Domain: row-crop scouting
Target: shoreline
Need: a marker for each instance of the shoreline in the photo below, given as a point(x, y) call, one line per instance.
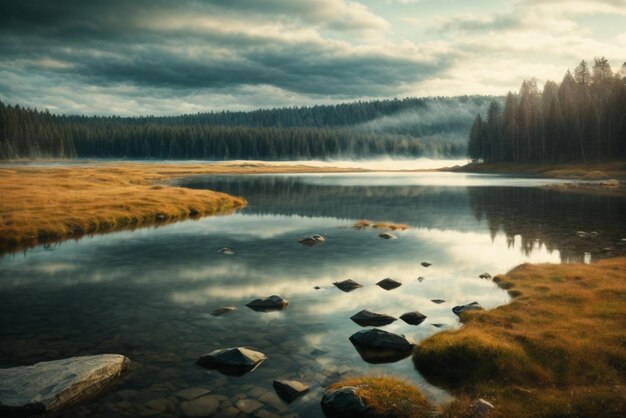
point(556, 349)
point(557, 343)
point(44, 204)
point(48, 204)
point(573, 171)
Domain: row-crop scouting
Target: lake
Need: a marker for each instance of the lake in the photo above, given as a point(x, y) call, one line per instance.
point(148, 293)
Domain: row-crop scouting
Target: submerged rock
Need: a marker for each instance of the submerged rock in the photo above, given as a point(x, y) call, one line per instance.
point(51, 385)
point(413, 318)
point(474, 306)
point(485, 275)
point(343, 403)
point(290, 390)
point(270, 303)
point(426, 264)
point(312, 240)
point(387, 235)
point(201, 407)
point(224, 310)
point(366, 318)
point(421, 279)
point(348, 285)
point(437, 301)
point(235, 361)
point(389, 284)
point(378, 346)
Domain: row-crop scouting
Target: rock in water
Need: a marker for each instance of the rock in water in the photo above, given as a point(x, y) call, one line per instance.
point(235, 361)
point(366, 318)
point(426, 264)
point(312, 240)
point(348, 285)
point(485, 275)
point(270, 303)
point(226, 251)
point(222, 311)
point(387, 235)
point(290, 390)
point(389, 284)
point(51, 385)
point(378, 346)
point(344, 403)
point(474, 306)
point(413, 318)
point(437, 301)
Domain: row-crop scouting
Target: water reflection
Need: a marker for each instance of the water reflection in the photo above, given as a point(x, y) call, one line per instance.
point(149, 294)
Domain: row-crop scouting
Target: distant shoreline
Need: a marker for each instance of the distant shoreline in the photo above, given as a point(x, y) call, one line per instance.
point(590, 171)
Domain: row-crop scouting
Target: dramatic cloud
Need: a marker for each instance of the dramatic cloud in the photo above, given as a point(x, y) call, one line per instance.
point(172, 56)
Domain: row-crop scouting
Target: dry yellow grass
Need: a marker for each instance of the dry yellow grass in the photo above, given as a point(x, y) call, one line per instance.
point(364, 223)
point(558, 349)
point(47, 204)
point(389, 396)
point(593, 171)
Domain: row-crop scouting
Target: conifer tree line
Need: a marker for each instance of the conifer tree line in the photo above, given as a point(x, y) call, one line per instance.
point(581, 119)
point(289, 133)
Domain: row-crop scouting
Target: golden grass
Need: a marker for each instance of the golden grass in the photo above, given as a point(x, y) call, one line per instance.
point(47, 204)
point(558, 349)
point(592, 171)
point(390, 226)
point(389, 396)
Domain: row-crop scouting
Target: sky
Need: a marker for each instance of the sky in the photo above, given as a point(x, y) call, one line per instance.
point(159, 57)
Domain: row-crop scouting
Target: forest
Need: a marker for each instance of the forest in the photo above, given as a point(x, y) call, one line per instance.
point(581, 119)
point(409, 127)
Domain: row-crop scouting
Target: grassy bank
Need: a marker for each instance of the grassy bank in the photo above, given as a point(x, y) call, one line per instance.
point(558, 349)
point(582, 171)
point(48, 204)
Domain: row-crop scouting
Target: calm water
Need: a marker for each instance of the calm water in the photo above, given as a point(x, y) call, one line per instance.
point(148, 293)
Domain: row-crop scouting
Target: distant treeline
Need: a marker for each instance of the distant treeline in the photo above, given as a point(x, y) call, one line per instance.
point(583, 118)
point(409, 127)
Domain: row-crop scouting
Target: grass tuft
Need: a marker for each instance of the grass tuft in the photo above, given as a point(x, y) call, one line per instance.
point(389, 396)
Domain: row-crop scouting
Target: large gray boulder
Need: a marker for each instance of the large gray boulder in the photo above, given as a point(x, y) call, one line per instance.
point(378, 346)
point(290, 390)
point(270, 303)
point(474, 306)
point(235, 361)
point(366, 318)
point(51, 385)
point(344, 403)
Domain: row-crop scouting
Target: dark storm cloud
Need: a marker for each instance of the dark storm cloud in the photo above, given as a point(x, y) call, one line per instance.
point(195, 45)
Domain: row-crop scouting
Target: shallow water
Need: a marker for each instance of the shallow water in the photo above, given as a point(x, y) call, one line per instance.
point(148, 293)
